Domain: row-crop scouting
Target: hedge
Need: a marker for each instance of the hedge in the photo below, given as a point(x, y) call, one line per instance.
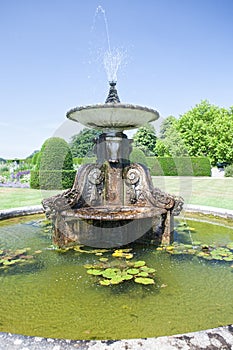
point(80, 161)
point(229, 171)
point(179, 166)
point(52, 179)
point(138, 156)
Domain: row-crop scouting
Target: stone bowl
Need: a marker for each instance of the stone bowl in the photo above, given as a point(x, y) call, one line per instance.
point(113, 116)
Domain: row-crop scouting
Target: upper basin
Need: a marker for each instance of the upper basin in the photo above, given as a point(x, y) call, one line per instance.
point(113, 116)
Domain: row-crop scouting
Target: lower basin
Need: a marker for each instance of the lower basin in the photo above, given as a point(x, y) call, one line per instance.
point(53, 296)
point(115, 213)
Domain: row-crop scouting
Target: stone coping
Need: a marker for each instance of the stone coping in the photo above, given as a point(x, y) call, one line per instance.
point(220, 338)
point(212, 339)
point(221, 212)
point(21, 211)
point(38, 209)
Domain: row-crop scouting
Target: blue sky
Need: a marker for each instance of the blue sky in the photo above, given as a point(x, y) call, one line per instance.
point(178, 52)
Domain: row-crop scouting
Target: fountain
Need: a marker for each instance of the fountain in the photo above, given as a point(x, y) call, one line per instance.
point(112, 202)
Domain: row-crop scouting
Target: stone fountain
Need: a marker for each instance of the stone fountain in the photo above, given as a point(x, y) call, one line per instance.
point(112, 202)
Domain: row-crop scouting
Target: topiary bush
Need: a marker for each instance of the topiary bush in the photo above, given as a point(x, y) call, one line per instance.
point(54, 167)
point(138, 156)
point(229, 171)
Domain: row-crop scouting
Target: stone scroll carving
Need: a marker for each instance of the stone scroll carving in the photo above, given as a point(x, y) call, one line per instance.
point(86, 191)
point(140, 190)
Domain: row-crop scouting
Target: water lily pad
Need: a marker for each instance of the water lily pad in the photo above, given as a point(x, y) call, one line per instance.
point(103, 259)
point(89, 266)
point(196, 243)
point(94, 272)
point(143, 274)
point(188, 246)
point(126, 277)
point(116, 280)
point(105, 282)
point(230, 245)
point(145, 280)
point(128, 255)
point(20, 251)
point(147, 269)
point(7, 262)
point(110, 272)
point(228, 258)
point(139, 263)
point(123, 253)
point(169, 248)
point(133, 271)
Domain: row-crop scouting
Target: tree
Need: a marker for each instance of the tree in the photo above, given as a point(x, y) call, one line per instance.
point(170, 143)
point(206, 130)
point(81, 144)
point(145, 139)
point(166, 124)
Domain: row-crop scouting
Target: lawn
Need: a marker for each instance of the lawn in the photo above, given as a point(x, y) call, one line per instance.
point(216, 192)
point(21, 197)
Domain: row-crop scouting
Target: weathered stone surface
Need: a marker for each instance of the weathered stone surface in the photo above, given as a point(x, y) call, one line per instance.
point(13, 212)
point(213, 339)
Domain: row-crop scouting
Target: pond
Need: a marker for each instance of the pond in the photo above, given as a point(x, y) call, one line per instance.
point(48, 293)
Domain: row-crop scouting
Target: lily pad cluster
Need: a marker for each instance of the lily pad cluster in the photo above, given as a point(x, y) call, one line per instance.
point(204, 251)
point(112, 272)
point(10, 258)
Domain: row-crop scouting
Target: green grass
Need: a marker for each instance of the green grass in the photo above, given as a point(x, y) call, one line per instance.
point(21, 197)
point(216, 192)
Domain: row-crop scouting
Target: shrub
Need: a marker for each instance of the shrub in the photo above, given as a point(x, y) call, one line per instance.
point(54, 166)
point(229, 171)
point(34, 179)
point(80, 161)
point(138, 156)
point(179, 166)
point(35, 158)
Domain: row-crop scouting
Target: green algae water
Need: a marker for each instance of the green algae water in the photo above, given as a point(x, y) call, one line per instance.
point(53, 296)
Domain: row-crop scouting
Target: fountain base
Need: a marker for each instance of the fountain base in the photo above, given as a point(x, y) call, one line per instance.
point(110, 227)
point(86, 214)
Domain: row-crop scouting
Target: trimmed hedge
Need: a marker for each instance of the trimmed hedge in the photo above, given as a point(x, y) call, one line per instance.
point(138, 156)
point(229, 171)
point(80, 161)
point(52, 179)
point(54, 166)
point(179, 166)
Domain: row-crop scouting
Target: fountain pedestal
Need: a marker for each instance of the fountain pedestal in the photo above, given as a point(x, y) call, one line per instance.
point(112, 202)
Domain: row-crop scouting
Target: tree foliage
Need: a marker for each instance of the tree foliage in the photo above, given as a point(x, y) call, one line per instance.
point(81, 145)
point(145, 139)
point(170, 143)
point(206, 130)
